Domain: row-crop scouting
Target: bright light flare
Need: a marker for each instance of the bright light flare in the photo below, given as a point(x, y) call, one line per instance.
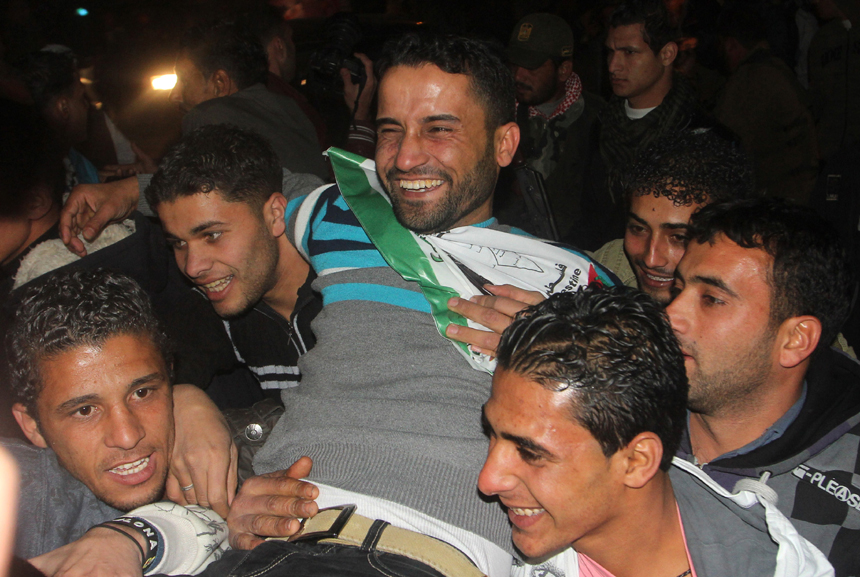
point(164, 82)
point(82, 11)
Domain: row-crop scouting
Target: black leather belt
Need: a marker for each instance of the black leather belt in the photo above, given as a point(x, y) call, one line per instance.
point(343, 526)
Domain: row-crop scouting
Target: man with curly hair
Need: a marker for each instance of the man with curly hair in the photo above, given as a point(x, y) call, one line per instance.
point(673, 178)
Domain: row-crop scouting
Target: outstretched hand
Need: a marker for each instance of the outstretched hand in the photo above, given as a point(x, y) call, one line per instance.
point(271, 505)
point(91, 207)
point(495, 312)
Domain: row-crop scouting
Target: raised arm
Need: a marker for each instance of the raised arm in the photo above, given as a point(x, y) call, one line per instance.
point(203, 467)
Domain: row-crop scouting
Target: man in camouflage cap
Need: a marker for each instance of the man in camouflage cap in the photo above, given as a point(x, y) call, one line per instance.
point(557, 119)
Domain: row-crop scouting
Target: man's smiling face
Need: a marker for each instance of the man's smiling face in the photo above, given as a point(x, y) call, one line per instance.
point(547, 470)
point(225, 248)
point(107, 412)
point(435, 156)
point(655, 240)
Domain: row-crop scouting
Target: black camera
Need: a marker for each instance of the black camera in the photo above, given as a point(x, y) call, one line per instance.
point(342, 32)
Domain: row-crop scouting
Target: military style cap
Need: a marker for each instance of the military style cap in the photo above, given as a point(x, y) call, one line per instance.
point(539, 37)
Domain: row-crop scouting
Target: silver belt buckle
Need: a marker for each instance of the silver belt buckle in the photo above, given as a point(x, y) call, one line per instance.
point(334, 529)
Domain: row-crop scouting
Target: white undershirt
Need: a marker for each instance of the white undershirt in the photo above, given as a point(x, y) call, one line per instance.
point(636, 113)
point(489, 557)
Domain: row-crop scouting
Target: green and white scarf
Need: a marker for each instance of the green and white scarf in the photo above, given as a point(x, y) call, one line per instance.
point(456, 263)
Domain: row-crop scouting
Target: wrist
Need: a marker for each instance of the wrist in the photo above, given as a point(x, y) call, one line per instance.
point(362, 112)
point(133, 541)
point(141, 532)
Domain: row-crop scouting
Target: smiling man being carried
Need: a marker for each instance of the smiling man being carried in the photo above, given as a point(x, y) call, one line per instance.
point(388, 408)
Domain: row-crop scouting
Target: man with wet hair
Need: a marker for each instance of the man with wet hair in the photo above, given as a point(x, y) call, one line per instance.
point(587, 410)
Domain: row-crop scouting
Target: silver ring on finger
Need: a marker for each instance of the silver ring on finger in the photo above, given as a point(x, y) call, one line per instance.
point(187, 488)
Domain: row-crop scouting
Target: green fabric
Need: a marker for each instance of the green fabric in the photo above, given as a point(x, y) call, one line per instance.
point(397, 244)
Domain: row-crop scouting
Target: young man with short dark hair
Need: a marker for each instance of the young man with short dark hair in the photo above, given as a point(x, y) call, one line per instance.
point(217, 194)
point(762, 289)
point(91, 376)
point(586, 412)
point(650, 102)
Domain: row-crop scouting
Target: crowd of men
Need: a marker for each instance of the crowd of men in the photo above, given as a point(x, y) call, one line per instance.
point(250, 359)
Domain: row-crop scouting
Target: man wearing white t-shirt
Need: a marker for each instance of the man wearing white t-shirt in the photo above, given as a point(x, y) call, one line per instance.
point(649, 101)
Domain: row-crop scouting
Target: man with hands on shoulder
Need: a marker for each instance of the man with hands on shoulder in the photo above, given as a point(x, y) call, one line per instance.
point(92, 378)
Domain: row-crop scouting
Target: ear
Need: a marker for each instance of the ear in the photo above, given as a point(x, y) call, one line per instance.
point(273, 214)
point(642, 458)
point(39, 204)
point(668, 53)
point(564, 71)
point(222, 85)
point(276, 50)
point(61, 110)
point(797, 338)
point(28, 425)
point(507, 138)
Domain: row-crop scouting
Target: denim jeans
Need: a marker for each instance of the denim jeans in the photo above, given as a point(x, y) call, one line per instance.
point(284, 559)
